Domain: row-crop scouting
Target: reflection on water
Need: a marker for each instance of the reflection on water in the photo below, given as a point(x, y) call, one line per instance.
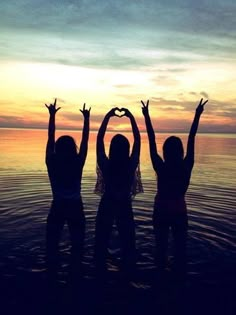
point(26, 196)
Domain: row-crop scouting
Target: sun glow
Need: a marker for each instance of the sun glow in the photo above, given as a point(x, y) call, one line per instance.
point(37, 83)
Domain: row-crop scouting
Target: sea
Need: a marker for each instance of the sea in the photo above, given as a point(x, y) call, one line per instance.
point(25, 198)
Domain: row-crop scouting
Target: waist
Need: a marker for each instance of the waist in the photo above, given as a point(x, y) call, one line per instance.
point(117, 193)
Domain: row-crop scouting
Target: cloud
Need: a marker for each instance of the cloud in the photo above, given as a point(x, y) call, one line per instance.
point(19, 122)
point(175, 119)
point(4, 119)
point(204, 94)
point(162, 103)
point(164, 40)
point(113, 34)
point(123, 86)
point(222, 109)
point(214, 108)
point(57, 15)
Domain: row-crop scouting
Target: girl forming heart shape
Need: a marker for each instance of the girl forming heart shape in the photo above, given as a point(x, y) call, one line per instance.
point(120, 112)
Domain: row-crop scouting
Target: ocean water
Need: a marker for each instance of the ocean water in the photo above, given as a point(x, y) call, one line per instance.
point(25, 198)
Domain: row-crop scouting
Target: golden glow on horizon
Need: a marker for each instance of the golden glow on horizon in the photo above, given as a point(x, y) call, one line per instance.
point(24, 149)
point(25, 87)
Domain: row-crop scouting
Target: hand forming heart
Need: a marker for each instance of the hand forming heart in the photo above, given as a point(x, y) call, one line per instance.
point(119, 112)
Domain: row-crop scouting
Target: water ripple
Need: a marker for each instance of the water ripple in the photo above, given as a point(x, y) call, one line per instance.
point(26, 198)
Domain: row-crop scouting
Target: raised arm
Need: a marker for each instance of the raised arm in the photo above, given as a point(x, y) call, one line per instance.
point(155, 157)
point(85, 135)
point(51, 128)
point(137, 142)
point(101, 154)
point(193, 130)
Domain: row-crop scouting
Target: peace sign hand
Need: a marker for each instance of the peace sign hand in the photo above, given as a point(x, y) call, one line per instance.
point(85, 112)
point(145, 108)
point(52, 108)
point(200, 107)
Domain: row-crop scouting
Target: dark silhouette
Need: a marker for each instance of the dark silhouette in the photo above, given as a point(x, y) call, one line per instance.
point(173, 174)
point(65, 167)
point(120, 181)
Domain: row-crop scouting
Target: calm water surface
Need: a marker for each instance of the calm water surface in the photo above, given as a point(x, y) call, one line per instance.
point(25, 199)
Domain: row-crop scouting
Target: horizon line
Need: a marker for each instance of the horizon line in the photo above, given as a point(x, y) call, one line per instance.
point(128, 131)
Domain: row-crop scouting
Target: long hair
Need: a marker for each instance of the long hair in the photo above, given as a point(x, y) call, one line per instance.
point(65, 146)
point(173, 150)
point(119, 164)
point(119, 149)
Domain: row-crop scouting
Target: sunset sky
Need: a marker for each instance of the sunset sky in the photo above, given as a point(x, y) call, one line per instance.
point(116, 53)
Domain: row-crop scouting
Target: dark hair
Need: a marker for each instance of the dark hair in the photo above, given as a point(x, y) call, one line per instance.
point(173, 149)
point(119, 148)
point(66, 146)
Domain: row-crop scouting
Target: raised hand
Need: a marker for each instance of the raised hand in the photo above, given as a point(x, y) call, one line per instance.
point(125, 112)
point(200, 107)
point(112, 112)
point(85, 112)
point(145, 108)
point(52, 108)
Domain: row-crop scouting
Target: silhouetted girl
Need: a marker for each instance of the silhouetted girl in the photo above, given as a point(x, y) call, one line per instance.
point(119, 182)
point(173, 174)
point(65, 166)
